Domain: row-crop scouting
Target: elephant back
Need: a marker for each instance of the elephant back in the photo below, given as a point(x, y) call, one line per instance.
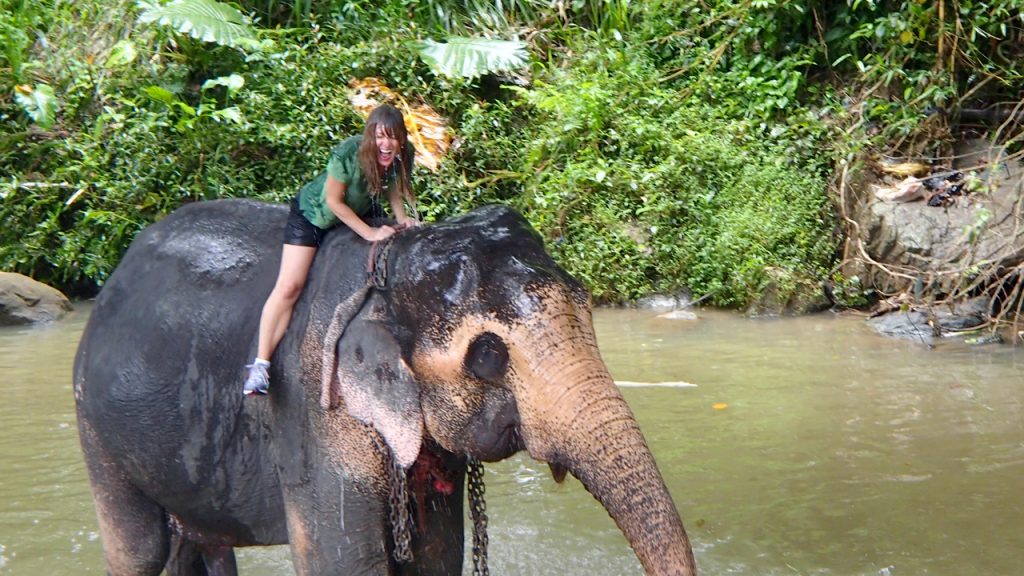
point(158, 371)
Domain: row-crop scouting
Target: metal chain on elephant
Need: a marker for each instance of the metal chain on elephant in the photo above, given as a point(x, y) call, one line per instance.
point(478, 513)
point(398, 502)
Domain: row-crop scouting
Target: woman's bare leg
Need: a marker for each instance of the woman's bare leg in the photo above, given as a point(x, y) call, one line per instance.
point(277, 311)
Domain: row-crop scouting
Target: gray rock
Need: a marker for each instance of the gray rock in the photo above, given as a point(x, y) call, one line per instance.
point(934, 245)
point(25, 301)
point(925, 326)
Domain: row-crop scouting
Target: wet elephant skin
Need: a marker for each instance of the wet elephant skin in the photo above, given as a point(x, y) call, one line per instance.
point(474, 342)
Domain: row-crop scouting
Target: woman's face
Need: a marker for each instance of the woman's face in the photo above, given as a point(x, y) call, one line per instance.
point(387, 147)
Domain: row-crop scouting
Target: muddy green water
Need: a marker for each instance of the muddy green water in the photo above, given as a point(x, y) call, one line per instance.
point(808, 446)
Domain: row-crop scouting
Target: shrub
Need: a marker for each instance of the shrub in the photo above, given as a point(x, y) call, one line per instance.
point(640, 190)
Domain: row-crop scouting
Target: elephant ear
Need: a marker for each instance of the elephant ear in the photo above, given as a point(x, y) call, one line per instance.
point(343, 314)
point(363, 365)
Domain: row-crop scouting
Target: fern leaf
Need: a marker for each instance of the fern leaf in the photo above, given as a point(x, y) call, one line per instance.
point(472, 57)
point(206, 20)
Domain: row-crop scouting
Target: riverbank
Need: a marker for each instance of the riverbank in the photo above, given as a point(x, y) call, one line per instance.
point(654, 145)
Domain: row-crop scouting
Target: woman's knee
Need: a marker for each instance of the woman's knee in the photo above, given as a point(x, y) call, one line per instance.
point(295, 263)
point(288, 290)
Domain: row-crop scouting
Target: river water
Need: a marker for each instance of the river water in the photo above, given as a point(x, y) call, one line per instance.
point(806, 446)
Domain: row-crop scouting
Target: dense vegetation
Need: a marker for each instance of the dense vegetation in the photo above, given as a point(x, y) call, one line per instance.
point(656, 145)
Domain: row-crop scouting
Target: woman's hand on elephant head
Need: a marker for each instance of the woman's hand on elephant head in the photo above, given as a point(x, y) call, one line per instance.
point(382, 233)
point(407, 223)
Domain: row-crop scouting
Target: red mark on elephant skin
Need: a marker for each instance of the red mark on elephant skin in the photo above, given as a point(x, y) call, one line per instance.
point(428, 470)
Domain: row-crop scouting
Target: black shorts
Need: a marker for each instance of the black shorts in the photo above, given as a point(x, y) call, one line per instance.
point(299, 231)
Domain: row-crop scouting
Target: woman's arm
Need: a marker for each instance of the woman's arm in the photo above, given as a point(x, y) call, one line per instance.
point(334, 194)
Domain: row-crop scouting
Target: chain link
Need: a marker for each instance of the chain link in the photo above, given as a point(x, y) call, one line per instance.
point(478, 513)
point(398, 502)
point(401, 524)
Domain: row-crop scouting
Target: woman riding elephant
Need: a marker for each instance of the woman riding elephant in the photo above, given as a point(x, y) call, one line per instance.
point(468, 343)
point(359, 171)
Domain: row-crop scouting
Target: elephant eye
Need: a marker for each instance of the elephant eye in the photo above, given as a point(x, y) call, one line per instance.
point(487, 357)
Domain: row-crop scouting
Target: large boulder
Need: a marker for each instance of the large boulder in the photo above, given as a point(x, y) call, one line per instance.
point(931, 250)
point(925, 325)
point(25, 301)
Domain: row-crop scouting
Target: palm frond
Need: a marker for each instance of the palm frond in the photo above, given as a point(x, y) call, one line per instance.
point(462, 57)
point(206, 20)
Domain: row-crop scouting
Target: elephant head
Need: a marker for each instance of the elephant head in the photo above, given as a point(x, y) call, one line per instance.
point(480, 342)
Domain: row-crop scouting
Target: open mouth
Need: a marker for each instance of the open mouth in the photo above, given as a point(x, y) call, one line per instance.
point(384, 157)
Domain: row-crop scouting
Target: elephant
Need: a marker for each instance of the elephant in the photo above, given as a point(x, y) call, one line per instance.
point(406, 364)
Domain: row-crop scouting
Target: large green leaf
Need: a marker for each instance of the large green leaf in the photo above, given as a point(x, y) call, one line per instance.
point(472, 57)
point(122, 54)
point(233, 83)
point(206, 20)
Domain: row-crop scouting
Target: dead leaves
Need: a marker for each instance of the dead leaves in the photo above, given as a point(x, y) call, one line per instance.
point(428, 130)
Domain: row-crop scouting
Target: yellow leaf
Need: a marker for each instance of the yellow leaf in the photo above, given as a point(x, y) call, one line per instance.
point(428, 130)
point(24, 89)
point(904, 169)
point(719, 405)
point(907, 37)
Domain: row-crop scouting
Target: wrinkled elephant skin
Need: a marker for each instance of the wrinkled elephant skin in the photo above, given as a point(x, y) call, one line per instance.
point(472, 342)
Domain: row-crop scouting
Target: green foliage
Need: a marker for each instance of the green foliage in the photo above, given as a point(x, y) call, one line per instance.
point(605, 16)
point(608, 16)
point(850, 292)
point(286, 12)
point(190, 119)
point(452, 15)
point(18, 20)
point(166, 132)
point(122, 54)
point(656, 145)
point(98, 188)
point(640, 191)
point(880, 69)
point(481, 169)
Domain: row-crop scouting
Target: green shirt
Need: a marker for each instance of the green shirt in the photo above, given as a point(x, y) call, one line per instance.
point(344, 167)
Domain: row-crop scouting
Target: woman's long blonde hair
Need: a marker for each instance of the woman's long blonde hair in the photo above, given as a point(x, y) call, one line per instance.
point(390, 118)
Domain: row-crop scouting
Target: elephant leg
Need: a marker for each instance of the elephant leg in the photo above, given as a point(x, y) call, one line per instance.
point(136, 537)
point(185, 559)
point(351, 541)
point(190, 559)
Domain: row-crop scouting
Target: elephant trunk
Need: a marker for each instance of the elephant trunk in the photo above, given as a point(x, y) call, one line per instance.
point(582, 423)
